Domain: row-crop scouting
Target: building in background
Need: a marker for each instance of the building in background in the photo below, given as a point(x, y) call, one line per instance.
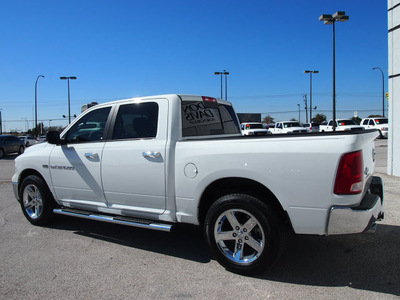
point(86, 106)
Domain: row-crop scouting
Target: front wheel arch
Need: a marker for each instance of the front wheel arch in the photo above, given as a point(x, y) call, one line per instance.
point(37, 202)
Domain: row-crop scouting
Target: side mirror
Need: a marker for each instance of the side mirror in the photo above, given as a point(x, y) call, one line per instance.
point(53, 137)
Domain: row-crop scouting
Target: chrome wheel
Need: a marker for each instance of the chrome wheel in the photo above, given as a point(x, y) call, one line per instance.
point(239, 236)
point(244, 234)
point(32, 201)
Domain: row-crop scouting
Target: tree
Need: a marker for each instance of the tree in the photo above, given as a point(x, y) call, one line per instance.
point(319, 118)
point(357, 120)
point(374, 116)
point(268, 119)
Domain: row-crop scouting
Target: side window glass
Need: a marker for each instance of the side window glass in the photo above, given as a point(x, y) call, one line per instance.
point(365, 122)
point(138, 120)
point(90, 127)
point(371, 122)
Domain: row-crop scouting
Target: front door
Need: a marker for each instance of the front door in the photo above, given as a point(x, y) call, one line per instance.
point(75, 167)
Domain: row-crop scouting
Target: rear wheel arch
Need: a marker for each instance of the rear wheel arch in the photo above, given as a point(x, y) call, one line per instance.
point(237, 185)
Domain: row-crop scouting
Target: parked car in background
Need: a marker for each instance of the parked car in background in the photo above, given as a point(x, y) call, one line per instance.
point(253, 128)
point(311, 127)
point(341, 125)
point(288, 127)
point(382, 124)
point(10, 144)
point(41, 139)
point(28, 140)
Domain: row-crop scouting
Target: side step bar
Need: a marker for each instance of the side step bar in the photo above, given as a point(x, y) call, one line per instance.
point(134, 222)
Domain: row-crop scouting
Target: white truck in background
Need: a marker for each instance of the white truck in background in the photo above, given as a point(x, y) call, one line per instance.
point(380, 123)
point(154, 162)
point(253, 128)
point(288, 127)
point(341, 125)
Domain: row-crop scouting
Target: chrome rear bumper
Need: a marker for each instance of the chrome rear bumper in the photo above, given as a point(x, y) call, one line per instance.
point(346, 220)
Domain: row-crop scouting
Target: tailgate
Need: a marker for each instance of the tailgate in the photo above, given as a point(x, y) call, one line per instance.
point(369, 153)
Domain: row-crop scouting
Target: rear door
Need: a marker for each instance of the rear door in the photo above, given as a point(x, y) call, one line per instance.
point(133, 163)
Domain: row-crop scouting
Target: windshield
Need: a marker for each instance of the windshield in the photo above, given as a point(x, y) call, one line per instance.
point(381, 121)
point(255, 126)
point(292, 124)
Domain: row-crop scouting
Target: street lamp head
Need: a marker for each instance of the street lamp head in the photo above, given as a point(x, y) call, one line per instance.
point(64, 77)
point(340, 16)
point(328, 19)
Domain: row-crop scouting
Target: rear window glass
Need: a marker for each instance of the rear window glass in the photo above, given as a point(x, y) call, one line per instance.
point(199, 120)
point(381, 121)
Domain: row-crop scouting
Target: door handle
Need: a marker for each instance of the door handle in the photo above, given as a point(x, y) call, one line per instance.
point(91, 155)
point(151, 154)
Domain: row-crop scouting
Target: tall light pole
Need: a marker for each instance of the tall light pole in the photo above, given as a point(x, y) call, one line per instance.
point(37, 78)
point(339, 16)
point(383, 90)
point(226, 82)
point(219, 73)
point(299, 111)
point(311, 72)
point(305, 106)
point(69, 102)
point(1, 124)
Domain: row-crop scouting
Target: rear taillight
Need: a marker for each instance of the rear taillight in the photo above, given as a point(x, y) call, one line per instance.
point(349, 176)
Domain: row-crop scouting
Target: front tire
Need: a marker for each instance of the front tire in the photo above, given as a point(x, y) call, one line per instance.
point(21, 150)
point(37, 202)
point(244, 234)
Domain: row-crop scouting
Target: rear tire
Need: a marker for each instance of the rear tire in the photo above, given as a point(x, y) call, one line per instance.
point(37, 202)
point(1, 153)
point(244, 234)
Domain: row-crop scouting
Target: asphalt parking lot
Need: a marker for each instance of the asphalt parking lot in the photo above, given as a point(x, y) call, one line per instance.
point(81, 259)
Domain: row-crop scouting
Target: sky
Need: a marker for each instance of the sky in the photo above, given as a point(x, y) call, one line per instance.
point(126, 48)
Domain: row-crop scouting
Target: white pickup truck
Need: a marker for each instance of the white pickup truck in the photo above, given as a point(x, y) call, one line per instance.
point(382, 124)
point(288, 127)
point(341, 125)
point(253, 128)
point(153, 162)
